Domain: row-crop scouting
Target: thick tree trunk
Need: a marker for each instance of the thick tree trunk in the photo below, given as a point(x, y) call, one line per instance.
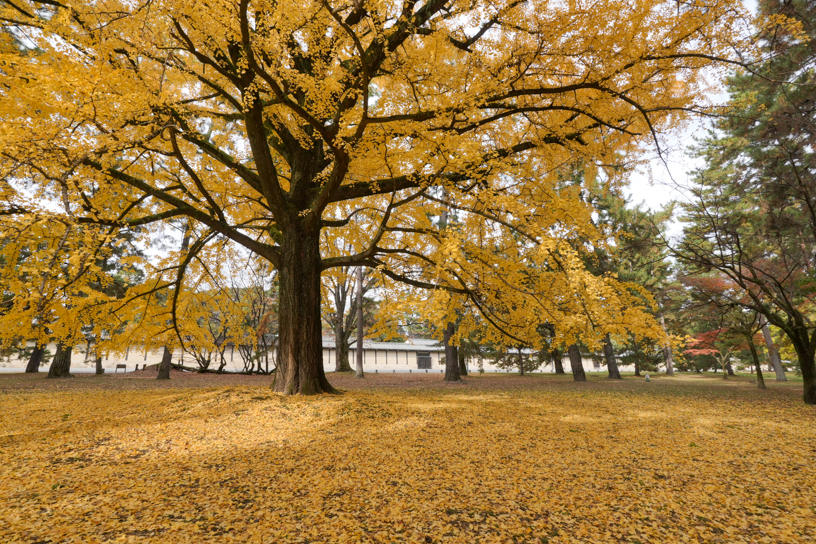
point(807, 362)
point(577, 364)
point(520, 363)
point(341, 363)
point(360, 331)
point(462, 363)
point(61, 364)
point(773, 353)
point(35, 359)
point(755, 357)
point(165, 365)
point(557, 362)
point(667, 352)
point(609, 355)
point(451, 360)
point(98, 363)
point(637, 368)
point(300, 345)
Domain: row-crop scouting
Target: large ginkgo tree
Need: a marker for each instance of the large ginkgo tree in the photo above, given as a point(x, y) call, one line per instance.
point(278, 123)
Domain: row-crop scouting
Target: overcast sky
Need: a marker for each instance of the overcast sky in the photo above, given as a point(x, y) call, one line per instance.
point(669, 177)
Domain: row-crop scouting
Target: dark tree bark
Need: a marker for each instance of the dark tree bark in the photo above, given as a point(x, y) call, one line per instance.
point(300, 346)
point(360, 324)
point(557, 362)
point(452, 372)
point(35, 359)
point(520, 363)
point(806, 351)
point(755, 357)
point(637, 368)
point(462, 363)
point(576, 363)
point(451, 357)
point(165, 364)
point(61, 364)
point(729, 369)
point(611, 362)
point(341, 363)
point(223, 360)
point(98, 362)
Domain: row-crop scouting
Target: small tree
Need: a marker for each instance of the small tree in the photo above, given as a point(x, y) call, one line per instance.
point(718, 343)
point(253, 289)
point(340, 310)
point(516, 357)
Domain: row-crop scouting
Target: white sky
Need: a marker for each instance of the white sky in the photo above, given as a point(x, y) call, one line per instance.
point(668, 178)
point(664, 179)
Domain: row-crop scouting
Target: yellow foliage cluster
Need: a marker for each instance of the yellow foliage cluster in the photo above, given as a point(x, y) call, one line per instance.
point(572, 464)
point(59, 284)
point(222, 287)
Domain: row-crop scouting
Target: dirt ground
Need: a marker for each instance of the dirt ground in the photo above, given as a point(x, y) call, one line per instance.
point(683, 383)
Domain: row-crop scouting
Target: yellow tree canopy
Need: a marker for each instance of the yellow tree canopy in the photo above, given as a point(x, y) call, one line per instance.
point(56, 283)
point(271, 122)
point(509, 280)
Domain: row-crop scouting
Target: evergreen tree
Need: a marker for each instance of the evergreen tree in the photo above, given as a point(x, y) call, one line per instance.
point(753, 216)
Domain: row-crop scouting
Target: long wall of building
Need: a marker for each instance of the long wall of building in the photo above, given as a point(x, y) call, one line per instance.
point(380, 358)
point(376, 358)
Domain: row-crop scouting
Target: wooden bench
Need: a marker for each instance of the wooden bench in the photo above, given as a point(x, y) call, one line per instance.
point(123, 367)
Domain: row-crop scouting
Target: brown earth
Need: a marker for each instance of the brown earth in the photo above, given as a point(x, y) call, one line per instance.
point(703, 384)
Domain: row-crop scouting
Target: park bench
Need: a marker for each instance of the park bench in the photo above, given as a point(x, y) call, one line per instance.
point(123, 367)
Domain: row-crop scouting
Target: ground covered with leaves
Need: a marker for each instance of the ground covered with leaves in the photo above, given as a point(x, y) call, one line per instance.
point(498, 459)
